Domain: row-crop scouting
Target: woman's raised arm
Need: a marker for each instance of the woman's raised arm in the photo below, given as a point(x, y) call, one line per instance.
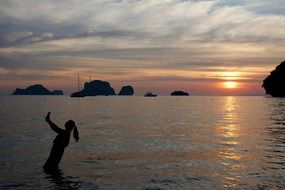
point(53, 126)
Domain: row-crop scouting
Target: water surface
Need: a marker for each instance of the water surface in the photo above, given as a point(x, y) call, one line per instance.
point(145, 143)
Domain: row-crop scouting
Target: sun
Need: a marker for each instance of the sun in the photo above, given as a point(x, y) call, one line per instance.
point(230, 84)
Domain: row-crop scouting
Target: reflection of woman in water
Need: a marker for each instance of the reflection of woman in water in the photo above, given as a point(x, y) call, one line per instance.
point(60, 142)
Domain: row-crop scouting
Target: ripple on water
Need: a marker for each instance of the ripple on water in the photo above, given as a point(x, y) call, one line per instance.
point(137, 143)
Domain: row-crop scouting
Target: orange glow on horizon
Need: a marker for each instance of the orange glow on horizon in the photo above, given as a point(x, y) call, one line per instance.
point(230, 85)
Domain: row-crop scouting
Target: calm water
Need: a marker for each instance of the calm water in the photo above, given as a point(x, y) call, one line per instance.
point(146, 143)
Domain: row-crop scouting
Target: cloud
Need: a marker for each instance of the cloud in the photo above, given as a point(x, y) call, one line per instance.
point(15, 36)
point(165, 23)
point(20, 38)
point(147, 38)
point(162, 22)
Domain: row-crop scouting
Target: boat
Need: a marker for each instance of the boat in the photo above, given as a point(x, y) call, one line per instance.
point(78, 94)
point(150, 94)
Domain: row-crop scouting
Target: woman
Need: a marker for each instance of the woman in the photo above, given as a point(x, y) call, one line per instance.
point(60, 142)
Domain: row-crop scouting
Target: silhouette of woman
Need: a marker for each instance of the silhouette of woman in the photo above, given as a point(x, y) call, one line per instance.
point(59, 143)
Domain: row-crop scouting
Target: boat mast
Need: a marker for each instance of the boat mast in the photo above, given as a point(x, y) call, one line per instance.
point(78, 82)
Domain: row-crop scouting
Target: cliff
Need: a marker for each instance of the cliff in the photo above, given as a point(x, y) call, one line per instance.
point(274, 84)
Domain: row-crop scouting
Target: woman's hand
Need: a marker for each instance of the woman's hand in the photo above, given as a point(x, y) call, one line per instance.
point(48, 117)
point(53, 126)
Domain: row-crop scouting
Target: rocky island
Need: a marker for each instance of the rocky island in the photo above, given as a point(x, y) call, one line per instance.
point(179, 93)
point(95, 88)
point(274, 84)
point(36, 89)
point(126, 91)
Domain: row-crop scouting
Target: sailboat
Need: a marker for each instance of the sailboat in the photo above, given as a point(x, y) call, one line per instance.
point(78, 94)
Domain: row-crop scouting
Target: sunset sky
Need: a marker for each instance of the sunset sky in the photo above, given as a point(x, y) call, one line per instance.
point(218, 47)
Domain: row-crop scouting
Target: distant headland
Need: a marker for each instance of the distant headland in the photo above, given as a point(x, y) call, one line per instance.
point(36, 89)
point(274, 84)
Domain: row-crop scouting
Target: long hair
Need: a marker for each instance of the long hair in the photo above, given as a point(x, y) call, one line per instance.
point(70, 125)
point(75, 133)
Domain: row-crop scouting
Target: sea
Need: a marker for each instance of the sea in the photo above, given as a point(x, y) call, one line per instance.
point(145, 143)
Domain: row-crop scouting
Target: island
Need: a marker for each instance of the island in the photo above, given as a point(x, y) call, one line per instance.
point(179, 93)
point(274, 82)
point(95, 88)
point(126, 91)
point(36, 89)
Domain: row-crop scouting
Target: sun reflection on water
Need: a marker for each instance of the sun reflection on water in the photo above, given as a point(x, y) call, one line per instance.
point(229, 131)
point(229, 127)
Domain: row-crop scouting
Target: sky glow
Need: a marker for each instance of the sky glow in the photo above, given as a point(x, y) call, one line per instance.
point(161, 46)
